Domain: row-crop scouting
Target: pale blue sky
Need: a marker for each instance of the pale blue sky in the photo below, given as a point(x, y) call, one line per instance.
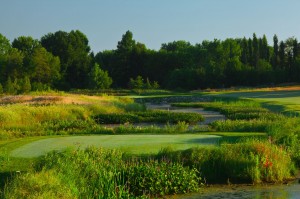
point(152, 22)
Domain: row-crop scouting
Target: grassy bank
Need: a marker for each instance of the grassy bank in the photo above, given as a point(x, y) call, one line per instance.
point(253, 145)
point(99, 173)
point(252, 116)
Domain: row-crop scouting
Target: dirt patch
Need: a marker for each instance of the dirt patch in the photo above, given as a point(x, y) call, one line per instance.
point(46, 100)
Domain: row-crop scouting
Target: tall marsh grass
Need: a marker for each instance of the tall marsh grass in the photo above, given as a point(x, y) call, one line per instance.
point(242, 115)
point(99, 173)
point(21, 120)
point(251, 161)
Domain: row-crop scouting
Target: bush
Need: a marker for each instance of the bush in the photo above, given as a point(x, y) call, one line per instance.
point(155, 178)
point(98, 78)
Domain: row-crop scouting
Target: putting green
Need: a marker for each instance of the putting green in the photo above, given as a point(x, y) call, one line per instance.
point(136, 144)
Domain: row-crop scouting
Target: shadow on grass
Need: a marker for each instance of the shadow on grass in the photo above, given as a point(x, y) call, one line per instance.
point(4, 178)
point(204, 141)
point(230, 139)
point(280, 109)
point(260, 94)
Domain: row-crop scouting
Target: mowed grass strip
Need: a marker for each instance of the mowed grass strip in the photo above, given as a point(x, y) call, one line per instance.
point(289, 100)
point(136, 144)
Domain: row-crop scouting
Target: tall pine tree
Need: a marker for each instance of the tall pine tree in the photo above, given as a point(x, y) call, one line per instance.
point(255, 50)
point(275, 52)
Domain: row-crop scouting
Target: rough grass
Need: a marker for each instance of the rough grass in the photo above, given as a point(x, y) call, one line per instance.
point(99, 173)
point(154, 116)
point(242, 115)
point(21, 118)
point(251, 161)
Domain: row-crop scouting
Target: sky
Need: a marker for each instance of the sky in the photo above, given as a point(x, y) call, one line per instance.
point(152, 22)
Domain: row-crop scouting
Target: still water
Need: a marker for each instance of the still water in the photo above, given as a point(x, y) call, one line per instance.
point(285, 191)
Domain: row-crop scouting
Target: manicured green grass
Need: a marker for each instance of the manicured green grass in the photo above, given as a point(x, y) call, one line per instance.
point(286, 101)
point(136, 144)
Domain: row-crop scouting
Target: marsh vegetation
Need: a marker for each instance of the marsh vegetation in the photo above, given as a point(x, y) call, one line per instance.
point(252, 145)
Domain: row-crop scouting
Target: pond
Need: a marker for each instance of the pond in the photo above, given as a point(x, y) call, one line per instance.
point(281, 191)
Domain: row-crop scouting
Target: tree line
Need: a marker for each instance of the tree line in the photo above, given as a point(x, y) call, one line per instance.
point(64, 61)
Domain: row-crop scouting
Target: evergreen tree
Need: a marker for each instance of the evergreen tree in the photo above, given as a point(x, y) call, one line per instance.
point(250, 51)
point(265, 49)
point(9, 87)
point(1, 89)
point(139, 82)
point(148, 84)
point(245, 50)
point(295, 49)
point(26, 85)
point(16, 85)
point(255, 50)
point(123, 68)
point(281, 54)
point(275, 53)
point(98, 78)
point(260, 48)
point(155, 85)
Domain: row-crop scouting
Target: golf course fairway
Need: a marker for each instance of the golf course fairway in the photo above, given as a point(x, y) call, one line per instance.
point(136, 144)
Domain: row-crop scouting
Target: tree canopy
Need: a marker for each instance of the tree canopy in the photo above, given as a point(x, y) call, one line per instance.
point(64, 60)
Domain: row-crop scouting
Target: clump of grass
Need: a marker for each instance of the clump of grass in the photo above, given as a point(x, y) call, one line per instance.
point(286, 133)
point(255, 125)
point(44, 184)
point(251, 161)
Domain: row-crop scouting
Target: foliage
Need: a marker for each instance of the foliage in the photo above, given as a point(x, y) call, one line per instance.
point(138, 83)
point(99, 79)
point(9, 87)
point(242, 115)
point(106, 172)
point(148, 116)
point(25, 85)
point(161, 178)
point(251, 160)
point(73, 51)
point(49, 118)
point(46, 67)
point(63, 60)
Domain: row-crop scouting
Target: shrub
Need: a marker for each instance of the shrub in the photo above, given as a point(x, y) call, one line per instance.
point(155, 178)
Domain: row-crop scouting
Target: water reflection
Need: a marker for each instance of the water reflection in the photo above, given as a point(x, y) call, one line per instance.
point(291, 191)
